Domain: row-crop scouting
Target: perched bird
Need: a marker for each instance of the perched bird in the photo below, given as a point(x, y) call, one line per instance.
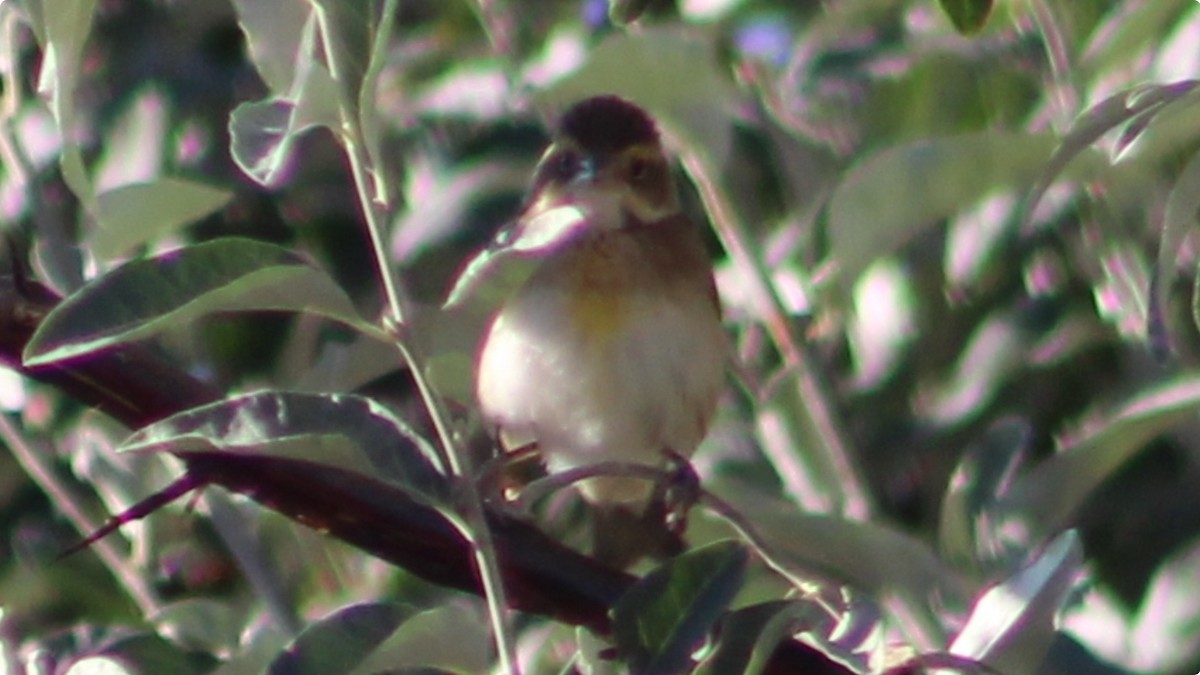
point(612, 349)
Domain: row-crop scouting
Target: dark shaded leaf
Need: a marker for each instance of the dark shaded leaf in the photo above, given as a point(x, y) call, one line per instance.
point(622, 12)
point(342, 430)
point(661, 620)
point(1045, 498)
point(968, 16)
point(747, 637)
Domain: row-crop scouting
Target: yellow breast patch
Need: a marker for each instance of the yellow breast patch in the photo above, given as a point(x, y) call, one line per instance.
point(601, 300)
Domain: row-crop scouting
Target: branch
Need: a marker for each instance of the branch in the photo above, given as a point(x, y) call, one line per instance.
point(137, 385)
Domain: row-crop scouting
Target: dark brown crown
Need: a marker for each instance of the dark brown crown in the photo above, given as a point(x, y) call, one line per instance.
point(607, 124)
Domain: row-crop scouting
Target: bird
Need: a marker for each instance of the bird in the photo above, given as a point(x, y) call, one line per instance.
point(612, 350)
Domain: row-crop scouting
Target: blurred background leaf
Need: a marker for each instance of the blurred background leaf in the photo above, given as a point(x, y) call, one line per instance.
point(975, 219)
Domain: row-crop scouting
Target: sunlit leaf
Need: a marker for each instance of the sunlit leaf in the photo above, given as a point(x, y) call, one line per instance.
point(1011, 626)
point(145, 297)
point(64, 27)
point(101, 665)
point(1164, 130)
point(371, 126)
point(347, 29)
point(262, 132)
point(438, 199)
point(490, 278)
point(993, 352)
point(135, 214)
point(1163, 636)
point(661, 620)
point(134, 144)
point(274, 33)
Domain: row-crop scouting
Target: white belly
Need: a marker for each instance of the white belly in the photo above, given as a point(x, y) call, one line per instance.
point(649, 388)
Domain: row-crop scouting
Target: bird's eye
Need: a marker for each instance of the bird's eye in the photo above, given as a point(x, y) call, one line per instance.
point(565, 165)
point(639, 169)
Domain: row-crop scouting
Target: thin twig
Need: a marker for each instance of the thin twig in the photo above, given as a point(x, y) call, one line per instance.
point(816, 405)
point(35, 464)
point(475, 522)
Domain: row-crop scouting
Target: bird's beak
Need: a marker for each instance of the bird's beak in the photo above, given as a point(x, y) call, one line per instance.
point(559, 214)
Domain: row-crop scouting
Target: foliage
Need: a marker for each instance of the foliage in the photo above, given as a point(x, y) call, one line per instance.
point(950, 238)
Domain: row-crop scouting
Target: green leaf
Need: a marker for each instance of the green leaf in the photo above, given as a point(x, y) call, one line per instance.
point(1123, 35)
point(343, 430)
point(370, 124)
point(347, 30)
point(1169, 613)
point(490, 278)
point(877, 560)
point(200, 623)
point(661, 620)
point(1179, 217)
point(262, 132)
point(340, 641)
point(983, 474)
point(968, 16)
point(65, 26)
point(451, 638)
point(994, 352)
point(891, 197)
point(132, 215)
point(144, 297)
point(1127, 106)
point(1044, 499)
point(146, 653)
point(749, 636)
point(1011, 626)
point(274, 33)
